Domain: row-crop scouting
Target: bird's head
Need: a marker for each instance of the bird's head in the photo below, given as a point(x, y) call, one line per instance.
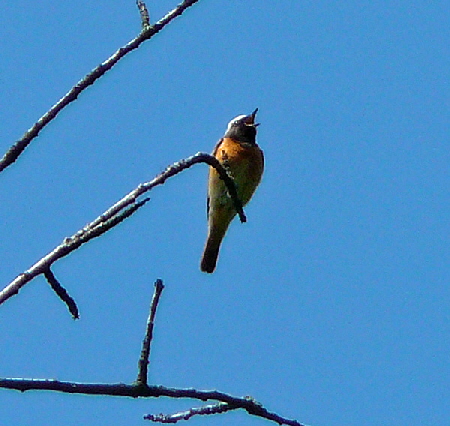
point(243, 128)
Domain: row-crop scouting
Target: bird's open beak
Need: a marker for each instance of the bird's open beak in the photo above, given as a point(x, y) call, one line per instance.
point(250, 121)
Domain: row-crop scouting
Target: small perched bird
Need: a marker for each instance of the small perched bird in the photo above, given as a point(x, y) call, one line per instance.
point(239, 153)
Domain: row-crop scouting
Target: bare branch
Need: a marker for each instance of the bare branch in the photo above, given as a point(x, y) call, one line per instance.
point(61, 292)
point(145, 353)
point(147, 33)
point(116, 214)
point(141, 391)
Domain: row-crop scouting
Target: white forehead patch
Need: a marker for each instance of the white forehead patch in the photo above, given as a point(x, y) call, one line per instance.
point(239, 117)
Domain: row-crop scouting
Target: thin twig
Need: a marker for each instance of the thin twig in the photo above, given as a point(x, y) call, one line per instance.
point(145, 353)
point(219, 408)
point(61, 292)
point(138, 390)
point(148, 32)
point(117, 213)
point(145, 17)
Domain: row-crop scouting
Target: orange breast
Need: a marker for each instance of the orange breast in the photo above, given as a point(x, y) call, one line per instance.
point(245, 162)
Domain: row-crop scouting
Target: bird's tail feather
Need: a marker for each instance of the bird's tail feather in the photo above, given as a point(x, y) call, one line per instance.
point(210, 254)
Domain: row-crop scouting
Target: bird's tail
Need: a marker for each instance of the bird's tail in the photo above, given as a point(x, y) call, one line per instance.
point(210, 254)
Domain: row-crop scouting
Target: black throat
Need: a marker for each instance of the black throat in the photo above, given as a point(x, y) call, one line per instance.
point(242, 133)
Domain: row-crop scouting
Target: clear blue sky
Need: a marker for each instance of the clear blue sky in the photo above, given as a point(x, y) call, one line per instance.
point(331, 305)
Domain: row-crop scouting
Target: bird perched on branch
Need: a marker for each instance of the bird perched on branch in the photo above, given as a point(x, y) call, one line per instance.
point(239, 153)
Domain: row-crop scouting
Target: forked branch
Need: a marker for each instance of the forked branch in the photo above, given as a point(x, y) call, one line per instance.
point(141, 389)
point(116, 214)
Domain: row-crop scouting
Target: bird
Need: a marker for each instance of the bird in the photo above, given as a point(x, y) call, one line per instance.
point(241, 156)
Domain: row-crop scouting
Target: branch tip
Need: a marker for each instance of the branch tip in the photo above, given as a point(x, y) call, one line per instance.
point(62, 293)
point(143, 363)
